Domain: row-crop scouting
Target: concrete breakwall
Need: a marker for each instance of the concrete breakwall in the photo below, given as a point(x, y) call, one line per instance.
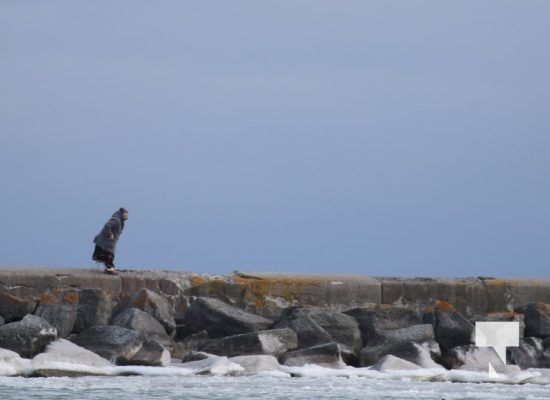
point(267, 294)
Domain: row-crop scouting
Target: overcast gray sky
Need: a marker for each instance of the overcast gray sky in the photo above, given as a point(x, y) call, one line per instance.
point(380, 138)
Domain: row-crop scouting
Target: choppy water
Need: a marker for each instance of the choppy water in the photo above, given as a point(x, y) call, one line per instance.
point(257, 387)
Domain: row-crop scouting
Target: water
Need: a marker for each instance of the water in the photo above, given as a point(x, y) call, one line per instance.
point(258, 387)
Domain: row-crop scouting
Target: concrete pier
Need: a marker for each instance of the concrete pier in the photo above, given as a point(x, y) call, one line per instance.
point(266, 294)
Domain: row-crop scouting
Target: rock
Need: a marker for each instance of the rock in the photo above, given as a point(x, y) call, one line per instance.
point(214, 366)
point(529, 354)
point(415, 344)
point(94, 308)
point(326, 355)
point(13, 308)
point(253, 365)
point(537, 320)
point(152, 354)
point(315, 327)
point(152, 303)
point(63, 358)
point(473, 358)
point(451, 329)
point(421, 354)
point(27, 337)
point(374, 322)
point(137, 320)
point(59, 308)
point(190, 344)
point(11, 364)
point(2, 321)
point(113, 343)
point(219, 319)
point(273, 342)
point(391, 363)
point(196, 356)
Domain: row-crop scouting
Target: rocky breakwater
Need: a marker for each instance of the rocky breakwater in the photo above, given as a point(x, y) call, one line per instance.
point(74, 322)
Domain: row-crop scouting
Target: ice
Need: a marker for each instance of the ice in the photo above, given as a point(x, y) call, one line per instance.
point(12, 364)
point(69, 359)
point(256, 364)
point(214, 366)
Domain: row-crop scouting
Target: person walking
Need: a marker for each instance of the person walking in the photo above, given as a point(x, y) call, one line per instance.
point(106, 240)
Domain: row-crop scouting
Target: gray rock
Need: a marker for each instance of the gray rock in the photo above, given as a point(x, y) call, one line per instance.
point(450, 327)
point(59, 308)
point(537, 320)
point(137, 320)
point(13, 308)
point(219, 319)
point(374, 322)
point(2, 321)
point(113, 343)
point(326, 355)
point(405, 343)
point(196, 356)
point(152, 354)
point(273, 342)
point(94, 308)
point(474, 358)
point(152, 303)
point(315, 327)
point(27, 337)
point(529, 354)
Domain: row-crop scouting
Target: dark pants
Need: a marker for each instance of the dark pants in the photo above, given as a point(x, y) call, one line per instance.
point(104, 256)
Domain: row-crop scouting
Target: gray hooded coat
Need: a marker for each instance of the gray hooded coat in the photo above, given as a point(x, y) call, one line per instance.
point(108, 237)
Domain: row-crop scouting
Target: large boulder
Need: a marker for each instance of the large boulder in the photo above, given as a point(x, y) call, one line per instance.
point(537, 320)
point(13, 308)
point(415, 344)
point(450, 327)
point(529, 354)
point(59, 308)
point(374, 322)
point(315, 327)
point(94, 308)
point(326, 355)
point(114, 343)
point(422, 354)
point(27, 337)
point(63, 358)
point(151, 353)
point(137, 320)
point(152, 303)
point(273, 342)
point(219, 319)
point(473, 358)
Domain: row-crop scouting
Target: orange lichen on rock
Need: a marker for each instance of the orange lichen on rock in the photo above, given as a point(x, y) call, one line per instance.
point(71, 297)
point(444, 306)
point(197, 280)
point(257, 289)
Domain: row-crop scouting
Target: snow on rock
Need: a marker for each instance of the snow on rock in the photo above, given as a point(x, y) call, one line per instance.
point(11, 363)
point(254, 365)
point(214, 366)
point(64, 358)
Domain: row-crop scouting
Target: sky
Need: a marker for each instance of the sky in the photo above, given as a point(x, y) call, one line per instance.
point(381, 138)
